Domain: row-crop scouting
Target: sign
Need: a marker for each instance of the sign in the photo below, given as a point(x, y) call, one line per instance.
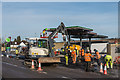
point(7, 39)
point(46, 29)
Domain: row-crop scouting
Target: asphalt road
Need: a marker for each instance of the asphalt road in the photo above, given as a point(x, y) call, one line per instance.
point(13, 68)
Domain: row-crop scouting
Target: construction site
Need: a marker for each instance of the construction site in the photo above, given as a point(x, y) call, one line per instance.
point(51, 39)
point(81, 54)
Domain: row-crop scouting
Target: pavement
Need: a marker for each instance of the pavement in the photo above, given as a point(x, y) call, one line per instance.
point(14, 68)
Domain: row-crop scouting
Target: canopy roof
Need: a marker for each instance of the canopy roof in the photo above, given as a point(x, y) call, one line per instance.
point(89, 36)
point(74, 30)
point(79, 31)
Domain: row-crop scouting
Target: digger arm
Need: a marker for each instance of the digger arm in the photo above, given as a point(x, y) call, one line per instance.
point(61, 28)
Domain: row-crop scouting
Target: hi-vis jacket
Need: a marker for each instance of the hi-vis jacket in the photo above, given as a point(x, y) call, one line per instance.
point(87, 57)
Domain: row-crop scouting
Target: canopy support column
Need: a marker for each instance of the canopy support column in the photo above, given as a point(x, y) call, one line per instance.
point(81, 41)
point(90, 44)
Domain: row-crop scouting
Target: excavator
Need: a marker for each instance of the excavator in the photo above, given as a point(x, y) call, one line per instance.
point(41, 49)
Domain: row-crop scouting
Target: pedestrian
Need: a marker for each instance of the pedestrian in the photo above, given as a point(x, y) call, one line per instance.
point(108, 61)
point(87, 57)
point(97, 57)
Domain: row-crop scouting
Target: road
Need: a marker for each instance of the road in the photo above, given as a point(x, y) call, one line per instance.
point(13, 68)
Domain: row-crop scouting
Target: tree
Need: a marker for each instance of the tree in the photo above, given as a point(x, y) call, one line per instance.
point(18, 39)
point(15, 40)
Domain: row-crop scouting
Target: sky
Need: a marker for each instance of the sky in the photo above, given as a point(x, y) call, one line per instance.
point(0, 19)
point(28, 19)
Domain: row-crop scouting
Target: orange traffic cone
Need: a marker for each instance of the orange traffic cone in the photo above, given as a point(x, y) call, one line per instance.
point(101, 68)
point(32, 67)
point(39, 68)
point(105, 70)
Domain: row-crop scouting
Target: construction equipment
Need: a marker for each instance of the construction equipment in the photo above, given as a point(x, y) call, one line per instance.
point(41, 49)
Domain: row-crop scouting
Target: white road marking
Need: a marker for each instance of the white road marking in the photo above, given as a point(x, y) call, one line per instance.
point(64, 77)
point(42, 72)
point(13, 65)
point(45, 72)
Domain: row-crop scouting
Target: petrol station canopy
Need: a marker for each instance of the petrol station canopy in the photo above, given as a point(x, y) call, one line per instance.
point(79, 31)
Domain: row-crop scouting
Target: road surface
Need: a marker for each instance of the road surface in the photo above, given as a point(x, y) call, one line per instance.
point(13, 68)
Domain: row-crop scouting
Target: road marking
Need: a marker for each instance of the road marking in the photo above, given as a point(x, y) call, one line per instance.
point(42, 72)
point(64, 77)
point(13, 65)
point(45, 72)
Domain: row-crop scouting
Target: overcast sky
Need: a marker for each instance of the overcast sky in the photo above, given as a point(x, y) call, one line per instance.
point(27, 18)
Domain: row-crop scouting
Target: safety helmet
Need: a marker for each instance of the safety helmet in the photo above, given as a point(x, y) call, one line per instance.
point(95, 50)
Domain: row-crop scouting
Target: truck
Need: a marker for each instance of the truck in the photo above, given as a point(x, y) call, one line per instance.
point(42, 49)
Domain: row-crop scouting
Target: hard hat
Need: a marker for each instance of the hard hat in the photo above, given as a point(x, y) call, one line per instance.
point(94, 49)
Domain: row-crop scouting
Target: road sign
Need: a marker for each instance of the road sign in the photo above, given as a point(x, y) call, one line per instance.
point(7, 39)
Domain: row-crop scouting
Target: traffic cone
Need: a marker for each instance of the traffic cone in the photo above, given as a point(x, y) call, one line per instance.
point(39, 68)
point(32, 67)
point(105, 70)
point(101, 68)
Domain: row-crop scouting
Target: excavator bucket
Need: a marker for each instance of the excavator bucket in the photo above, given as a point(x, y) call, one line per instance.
point(49, 59)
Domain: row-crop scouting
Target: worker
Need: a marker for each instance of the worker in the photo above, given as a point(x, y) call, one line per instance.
point(16, 52)
point(76, 52)
point(87, 57)
point(73, 54)
point(108, 59)
point(66, 57)
point(82, 55)
point(44, 32)
point(97, 55)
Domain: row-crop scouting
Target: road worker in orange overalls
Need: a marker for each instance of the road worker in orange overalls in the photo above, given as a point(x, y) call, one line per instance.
point(97, 55)
point(87, 57)
point(77, 48)
point(82, 55)
point(73, 54)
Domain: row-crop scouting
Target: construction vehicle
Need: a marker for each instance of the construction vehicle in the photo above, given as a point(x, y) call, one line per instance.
point(41, 49)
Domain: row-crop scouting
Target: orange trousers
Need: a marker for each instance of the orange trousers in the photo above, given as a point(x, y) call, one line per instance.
point(74, 58)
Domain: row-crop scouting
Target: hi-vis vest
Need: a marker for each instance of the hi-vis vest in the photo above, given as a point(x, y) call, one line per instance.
point(98, 55)
point(77, 52)
point(63, 50)
point(87, 57)
point(108, 57)
point(82, 52)
point(73, 53)
point(16, 51)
